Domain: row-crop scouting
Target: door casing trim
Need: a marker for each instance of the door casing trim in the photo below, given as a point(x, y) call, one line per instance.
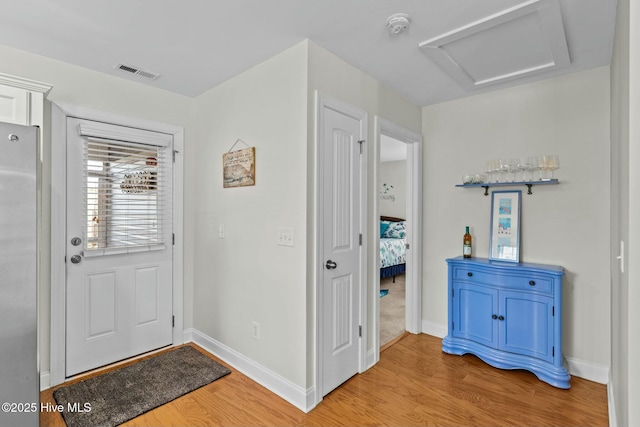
point(323, 101)
point(59, 114)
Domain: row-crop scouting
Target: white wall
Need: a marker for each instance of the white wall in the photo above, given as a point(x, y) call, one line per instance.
point(80, 86)
point(566, 225)
point(246, 276)
point(394, 202)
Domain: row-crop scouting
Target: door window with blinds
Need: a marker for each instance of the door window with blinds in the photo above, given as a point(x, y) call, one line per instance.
point(127, 198)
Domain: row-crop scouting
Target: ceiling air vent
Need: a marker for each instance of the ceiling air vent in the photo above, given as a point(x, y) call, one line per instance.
point(137, 71)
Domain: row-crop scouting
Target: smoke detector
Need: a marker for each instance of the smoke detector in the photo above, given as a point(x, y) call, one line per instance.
point(398, 23)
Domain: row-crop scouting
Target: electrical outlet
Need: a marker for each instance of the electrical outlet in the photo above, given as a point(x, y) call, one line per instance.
point(255, 330)
point(285, 236)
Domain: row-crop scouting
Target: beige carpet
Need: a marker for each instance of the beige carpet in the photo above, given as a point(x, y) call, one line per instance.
point(392, 309)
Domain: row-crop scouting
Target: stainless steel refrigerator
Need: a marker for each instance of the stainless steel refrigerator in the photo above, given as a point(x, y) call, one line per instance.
point(19, 371)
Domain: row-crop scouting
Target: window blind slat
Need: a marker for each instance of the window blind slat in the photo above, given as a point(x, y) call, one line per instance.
point(127, 197)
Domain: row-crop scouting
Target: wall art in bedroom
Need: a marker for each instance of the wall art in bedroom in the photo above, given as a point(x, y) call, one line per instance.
point(385, 193)
point(239, 168)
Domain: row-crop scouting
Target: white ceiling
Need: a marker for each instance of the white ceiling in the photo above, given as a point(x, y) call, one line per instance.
point(197, 44)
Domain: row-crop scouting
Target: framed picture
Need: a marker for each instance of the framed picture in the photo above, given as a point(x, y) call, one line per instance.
point(505, 226)
point(239, 168)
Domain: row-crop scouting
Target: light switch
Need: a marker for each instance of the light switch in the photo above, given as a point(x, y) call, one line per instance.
point(285, 236)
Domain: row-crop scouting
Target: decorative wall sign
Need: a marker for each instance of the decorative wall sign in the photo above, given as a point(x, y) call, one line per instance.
point(385, 193)
point(505, 226)
point(239, 167)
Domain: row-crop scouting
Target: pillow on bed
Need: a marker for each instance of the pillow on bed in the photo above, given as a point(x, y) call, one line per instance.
point(395, 230)
point(384, 225)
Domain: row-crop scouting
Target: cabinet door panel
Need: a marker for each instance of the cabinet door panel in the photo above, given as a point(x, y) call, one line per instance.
point(14, 105)
point(473, 307)
point(527, 327)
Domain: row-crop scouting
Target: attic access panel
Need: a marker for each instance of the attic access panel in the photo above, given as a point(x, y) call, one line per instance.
point(520, 41)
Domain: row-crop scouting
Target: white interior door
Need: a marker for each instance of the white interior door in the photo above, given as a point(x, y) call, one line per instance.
point(118, 243)
point(342, 250)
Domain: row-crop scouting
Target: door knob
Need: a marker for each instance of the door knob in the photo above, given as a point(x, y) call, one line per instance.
point(76, 259)
point(330, 265)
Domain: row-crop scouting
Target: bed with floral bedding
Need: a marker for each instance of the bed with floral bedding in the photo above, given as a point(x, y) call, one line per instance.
point(392, 246)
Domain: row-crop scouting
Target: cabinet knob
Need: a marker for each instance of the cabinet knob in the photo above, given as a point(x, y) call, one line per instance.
point(469, 274)
point(532, 282)
point(500, 317)
point(494, 316)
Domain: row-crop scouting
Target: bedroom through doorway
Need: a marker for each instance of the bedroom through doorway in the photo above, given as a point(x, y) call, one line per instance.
point(393, 239)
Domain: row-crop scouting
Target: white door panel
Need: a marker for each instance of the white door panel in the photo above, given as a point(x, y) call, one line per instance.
point(118, 295)
point(341, 284)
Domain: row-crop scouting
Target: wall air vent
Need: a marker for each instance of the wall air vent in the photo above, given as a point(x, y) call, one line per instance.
point(136, 71)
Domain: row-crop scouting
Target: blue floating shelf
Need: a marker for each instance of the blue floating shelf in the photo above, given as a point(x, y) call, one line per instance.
point(529, 184)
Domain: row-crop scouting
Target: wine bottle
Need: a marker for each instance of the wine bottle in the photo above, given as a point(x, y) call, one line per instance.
point(466, 244)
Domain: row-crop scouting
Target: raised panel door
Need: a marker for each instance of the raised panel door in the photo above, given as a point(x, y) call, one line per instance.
point(527, 327)
point(473, 309)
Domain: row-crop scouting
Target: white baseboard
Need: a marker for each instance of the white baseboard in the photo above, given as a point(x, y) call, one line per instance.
point(588, 371)
point(305, 400)
point(434, 329)
point(45, 380)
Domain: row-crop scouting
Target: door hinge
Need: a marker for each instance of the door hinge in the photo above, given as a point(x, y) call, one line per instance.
point(553, 351)
point(361, 142)
point(174, 155)
point(173, 239)
point(453, 293)
point(360, 331)
point(360, 239)
point(407, 246)
point(553, 310)
point(173, 321)
point(453, 326)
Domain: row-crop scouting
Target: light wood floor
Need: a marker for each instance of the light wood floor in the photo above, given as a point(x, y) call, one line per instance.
point(414, 384)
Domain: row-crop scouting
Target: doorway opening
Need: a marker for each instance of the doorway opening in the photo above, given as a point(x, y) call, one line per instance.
point(393, 214)
point(398, 211)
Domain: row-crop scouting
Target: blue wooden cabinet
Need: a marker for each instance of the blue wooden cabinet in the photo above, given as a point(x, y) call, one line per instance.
point(509, 315)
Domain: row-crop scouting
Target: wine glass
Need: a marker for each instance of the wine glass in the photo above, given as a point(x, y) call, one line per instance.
point(512, 166)
point(524, 166)
point(533, 167)
point(553, 163)
point(503, 170)
point(492, 169)
point(542, 165)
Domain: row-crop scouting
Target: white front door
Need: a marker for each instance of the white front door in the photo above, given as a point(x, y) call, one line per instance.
point(341, 247)
point(118, 243)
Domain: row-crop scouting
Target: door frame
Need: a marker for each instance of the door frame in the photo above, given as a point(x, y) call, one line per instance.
point(323, 101)
point(59, 114)
point(413, 311)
